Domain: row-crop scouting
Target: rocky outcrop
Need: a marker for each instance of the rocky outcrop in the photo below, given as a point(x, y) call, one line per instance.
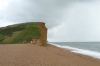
point(42, 39)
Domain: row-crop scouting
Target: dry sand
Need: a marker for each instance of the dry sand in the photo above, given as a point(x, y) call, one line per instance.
point(31, 55)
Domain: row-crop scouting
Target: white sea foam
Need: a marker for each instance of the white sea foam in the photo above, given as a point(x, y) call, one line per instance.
point(81, 51)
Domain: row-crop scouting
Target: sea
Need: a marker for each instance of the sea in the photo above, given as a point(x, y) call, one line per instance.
point(87, 48)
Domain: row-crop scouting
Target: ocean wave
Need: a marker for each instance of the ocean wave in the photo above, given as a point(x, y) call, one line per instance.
point(91, 53)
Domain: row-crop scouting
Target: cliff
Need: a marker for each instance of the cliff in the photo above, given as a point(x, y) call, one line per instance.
point(42, 39)
point(30, 32)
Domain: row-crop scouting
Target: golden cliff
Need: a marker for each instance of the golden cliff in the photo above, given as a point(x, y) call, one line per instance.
point(42, 39)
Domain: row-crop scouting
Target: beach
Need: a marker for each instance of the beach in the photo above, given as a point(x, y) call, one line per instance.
point(32, 55)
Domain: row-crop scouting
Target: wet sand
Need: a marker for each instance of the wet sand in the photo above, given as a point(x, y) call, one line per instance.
point(32, 55)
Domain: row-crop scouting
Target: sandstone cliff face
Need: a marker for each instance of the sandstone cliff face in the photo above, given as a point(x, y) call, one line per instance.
point(42, 39)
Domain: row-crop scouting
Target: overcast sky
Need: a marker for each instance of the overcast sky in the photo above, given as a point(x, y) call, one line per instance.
point(66, 20)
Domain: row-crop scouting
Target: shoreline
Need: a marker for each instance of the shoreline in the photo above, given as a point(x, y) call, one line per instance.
point(50, 55)
point(90, 53)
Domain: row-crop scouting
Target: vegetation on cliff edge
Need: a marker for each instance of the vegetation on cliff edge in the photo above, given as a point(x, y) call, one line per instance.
point(19, 33)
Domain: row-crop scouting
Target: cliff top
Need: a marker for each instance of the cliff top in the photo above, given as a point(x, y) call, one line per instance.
point(19, 33)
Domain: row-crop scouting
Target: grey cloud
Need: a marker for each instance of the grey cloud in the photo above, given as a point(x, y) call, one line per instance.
point(49, 11)
point(65, 23)
point(82, 24)
point(1, 16)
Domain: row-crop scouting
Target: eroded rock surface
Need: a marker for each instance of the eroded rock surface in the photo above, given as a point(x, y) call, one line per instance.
point(42, 39)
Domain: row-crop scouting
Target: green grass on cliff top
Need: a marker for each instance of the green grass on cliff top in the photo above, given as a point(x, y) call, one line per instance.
point(19, 33)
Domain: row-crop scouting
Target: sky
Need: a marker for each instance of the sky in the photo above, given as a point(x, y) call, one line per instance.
point(66, 20)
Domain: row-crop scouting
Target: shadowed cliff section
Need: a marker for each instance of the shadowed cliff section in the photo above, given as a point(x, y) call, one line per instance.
point(30, 32)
